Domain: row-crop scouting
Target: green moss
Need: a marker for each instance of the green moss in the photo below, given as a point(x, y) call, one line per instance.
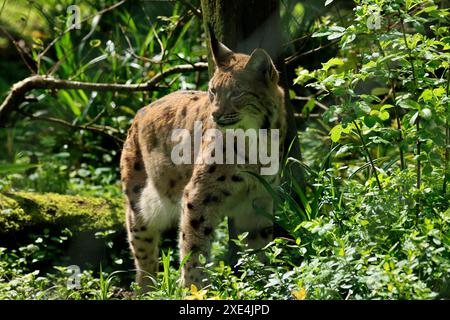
point(20, 212)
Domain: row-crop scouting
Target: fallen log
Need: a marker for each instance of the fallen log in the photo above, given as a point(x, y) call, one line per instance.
point(25, 213)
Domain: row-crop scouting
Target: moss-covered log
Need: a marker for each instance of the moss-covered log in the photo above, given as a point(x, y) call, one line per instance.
point(23, 213)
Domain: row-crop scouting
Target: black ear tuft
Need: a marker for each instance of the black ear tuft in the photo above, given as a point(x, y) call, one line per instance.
point(212, 37)
point(221, 54)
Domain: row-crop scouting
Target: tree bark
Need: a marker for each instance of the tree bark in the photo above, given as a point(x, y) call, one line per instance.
point(243, 25)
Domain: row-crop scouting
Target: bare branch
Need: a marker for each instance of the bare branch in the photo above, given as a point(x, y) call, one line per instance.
point(194, 10)
point(293, 58)
point(18, 48)
point(104, 130)
point(17, 93)
point(317, 103)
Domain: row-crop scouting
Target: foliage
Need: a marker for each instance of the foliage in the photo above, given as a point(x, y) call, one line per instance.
point(373, 221)
point(383, 232)
point(80, 161)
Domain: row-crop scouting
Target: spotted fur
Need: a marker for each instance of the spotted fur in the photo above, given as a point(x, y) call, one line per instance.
point(243, 93)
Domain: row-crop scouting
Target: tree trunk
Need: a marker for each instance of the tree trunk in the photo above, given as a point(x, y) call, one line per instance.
point(243, 25)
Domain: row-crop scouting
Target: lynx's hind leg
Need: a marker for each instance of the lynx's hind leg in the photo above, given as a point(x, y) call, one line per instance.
point(156, 215)
point(143, 238)
point(143, 242)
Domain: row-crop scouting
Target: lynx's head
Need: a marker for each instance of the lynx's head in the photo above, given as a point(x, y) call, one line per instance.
point(244, 91)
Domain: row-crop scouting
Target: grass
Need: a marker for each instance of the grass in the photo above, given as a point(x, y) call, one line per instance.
point(358, 250)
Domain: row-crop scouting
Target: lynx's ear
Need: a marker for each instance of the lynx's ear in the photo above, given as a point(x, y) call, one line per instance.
point(221, 54)
point(261, 63)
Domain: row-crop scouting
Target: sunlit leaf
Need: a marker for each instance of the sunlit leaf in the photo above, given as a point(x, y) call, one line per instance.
point(331, 63)
point(335, 133)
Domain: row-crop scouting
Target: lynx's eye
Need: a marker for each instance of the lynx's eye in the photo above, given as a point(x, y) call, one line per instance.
point(237, 95)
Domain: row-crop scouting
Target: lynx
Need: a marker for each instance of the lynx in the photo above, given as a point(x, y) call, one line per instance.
point(243, 93)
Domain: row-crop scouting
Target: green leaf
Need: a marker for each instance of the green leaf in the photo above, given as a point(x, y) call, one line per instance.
point(427, 169)
point(386, 106)
point(335, 133)
point(335, 35)
point(72, 104)
point(320, 34)
point(426, 95)
point(292, 94)
point(308, 107)
point(201, 259)
point(409, 104)
point(15, 167)
point(370, 121)
point(298, 11)
point(127, 110)
point(408, 4)
point(413, 119)
point(383, 115)
point(362, 108)
point(379, 91)
point(332, 62)
point(97, 59)
point(438, 92)
point(337, 28)
point(183, 262)
point(425, 113)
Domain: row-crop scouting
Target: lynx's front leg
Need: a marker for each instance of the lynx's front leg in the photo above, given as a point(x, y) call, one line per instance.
point(197, 225)
point(203, 201)
point(258, 222)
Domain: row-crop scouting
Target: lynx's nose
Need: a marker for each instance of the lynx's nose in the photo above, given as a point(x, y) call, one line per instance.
point(224, 119)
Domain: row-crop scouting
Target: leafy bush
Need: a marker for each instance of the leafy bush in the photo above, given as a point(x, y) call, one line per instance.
point(383, 229)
